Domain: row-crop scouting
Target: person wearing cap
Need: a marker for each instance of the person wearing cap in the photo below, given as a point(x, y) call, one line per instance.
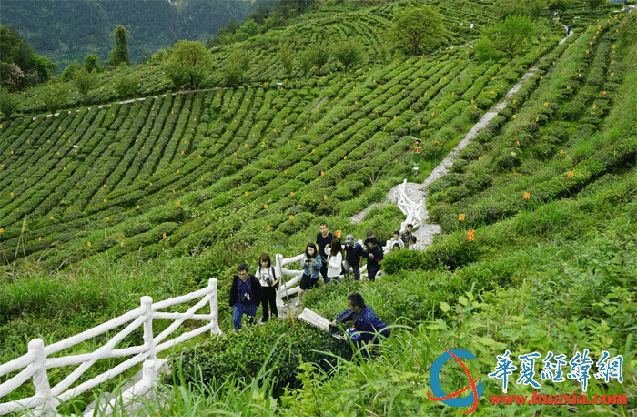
point(406, 235)
point(374, 255)
point(353, 257)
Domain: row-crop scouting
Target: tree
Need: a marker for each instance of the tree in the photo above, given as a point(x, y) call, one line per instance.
point(44, 68)
point(127, 85)
point(8, 103)
point(119, 54)
point(69, 72)
point(188, 63)
point(316, 55)
point(260, 14)
point(54, 97)
point(286, 56)
point(531, 8)
point(348, 53)
point(234, 66)
point(85, 80)
point(413, 29)
point(505, 39)
point(91, 63)
point(250, 28)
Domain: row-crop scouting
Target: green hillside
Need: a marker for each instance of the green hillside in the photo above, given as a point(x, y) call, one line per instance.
point(110, 201)
point(67, 30)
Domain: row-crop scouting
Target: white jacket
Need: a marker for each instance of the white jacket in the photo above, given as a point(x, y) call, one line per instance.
point(390, 244)
point(334, 266)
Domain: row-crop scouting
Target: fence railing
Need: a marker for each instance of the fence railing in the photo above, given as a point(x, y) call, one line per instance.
point(35, 363)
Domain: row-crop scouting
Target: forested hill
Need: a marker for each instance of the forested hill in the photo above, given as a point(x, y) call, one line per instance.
point(67, 30)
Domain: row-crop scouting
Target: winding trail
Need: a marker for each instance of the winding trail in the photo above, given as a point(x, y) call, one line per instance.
point(426, 232)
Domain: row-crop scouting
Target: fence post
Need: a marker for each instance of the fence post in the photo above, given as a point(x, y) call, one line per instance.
point(41, 380)
point(212, 286)
point(149, 340)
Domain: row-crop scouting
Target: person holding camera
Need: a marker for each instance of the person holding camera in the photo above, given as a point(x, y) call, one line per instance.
point(364, 322)
point(311, 263)
point(269, 284)
point(245, 296)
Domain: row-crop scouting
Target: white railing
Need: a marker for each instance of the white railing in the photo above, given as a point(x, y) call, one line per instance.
point(411, 209)
point(36, 361)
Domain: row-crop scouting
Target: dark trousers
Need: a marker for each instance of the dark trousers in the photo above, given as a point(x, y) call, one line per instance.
point(355, 270)
point(372, 272)
point(269, 298)
point(323, 270)
point(239, 310)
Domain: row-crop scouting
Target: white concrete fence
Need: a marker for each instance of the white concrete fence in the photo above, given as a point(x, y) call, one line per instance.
point(35, 363)
point(414, 211)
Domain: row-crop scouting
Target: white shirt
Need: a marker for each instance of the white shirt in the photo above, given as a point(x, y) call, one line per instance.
point(263, 274)
point(334, 266)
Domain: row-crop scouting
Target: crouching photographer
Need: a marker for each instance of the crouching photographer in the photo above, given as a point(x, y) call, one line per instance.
point(365, 324)
point(245, 296)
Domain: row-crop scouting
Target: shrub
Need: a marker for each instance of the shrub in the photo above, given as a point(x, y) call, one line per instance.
point(127, 85)
point(8, 103)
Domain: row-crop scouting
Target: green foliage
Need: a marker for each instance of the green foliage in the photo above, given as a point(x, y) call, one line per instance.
point(235, 66)
point(286, 56)
point(243, 354)
point(119, 53)
point(85, 80)
point(249, 27)
point(127, 85)
point(188, 63)
point(69, 72)
point(531, 8)
point(315, 56)
point(416, 28)
point(44, 68)
point(91, 63)
point(55, 97)
point(348, 54)
point(8, 103)
point(505, 39)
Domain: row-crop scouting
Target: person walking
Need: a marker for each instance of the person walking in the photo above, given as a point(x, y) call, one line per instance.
point(394, 240)
point(335, 260)
point(266, 275)
point(406, 235)
point(245, 296)
point(311, 264)
point(353, 257)
point(323, 238)
point(374, 255)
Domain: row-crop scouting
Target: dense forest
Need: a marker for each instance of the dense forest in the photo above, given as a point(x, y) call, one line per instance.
point(68, 30)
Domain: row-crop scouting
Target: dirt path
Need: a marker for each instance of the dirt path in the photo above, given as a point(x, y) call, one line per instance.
point(426, 232)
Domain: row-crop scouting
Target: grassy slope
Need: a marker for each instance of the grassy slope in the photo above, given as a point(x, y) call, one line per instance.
point(556, 238)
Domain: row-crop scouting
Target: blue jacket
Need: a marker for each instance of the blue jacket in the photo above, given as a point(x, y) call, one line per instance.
point(353, 254)
point(311, 270)
point(366, 325)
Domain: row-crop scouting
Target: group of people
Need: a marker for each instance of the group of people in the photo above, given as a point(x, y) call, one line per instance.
point(327, 258)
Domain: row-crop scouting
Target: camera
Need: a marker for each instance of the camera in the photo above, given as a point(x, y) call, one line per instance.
point(245, 298)
point(269, 281)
